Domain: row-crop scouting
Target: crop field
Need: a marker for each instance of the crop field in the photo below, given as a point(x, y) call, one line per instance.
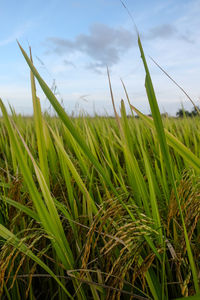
point(99, 207)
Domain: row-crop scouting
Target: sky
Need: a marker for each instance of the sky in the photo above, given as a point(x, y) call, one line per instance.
point(73, 41)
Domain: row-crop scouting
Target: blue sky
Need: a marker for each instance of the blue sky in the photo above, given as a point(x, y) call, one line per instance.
point(72, 42)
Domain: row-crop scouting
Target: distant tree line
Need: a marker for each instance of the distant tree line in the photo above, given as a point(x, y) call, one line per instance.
point(179, 114)
point(182, 112)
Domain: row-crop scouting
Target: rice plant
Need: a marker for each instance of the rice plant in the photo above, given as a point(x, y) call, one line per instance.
point(96, 207)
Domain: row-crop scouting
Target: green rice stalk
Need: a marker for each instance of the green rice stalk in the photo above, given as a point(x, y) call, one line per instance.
point(164, 147)
point(67, 122)
point(10, 238)
point(39, 129)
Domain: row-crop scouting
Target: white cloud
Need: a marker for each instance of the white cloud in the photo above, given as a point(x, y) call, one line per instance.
point(104, 45)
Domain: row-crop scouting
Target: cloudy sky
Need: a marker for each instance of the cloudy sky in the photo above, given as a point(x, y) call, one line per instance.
point(74, 40)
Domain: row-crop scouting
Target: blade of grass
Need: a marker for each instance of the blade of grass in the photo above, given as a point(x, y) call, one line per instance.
point(15, 242)
point(48, 219)
point(22, 208)
point(164, 147)
point(47, 211)
point(186, 153)
point(67, 122)
point(90, 202)
point(39, 128)
point(186, 94)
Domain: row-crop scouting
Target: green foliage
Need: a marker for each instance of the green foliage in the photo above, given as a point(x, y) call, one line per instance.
point(182, 112)
point(99, 208)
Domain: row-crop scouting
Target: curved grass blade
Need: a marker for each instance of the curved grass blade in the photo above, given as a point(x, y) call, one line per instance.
point(42, 152)
point(47, 212)
point(172, 141)
point(67, 122)
point(15, 242)
point(186, 94)
point(90, 202)
point(165, 151)
point(22, 208)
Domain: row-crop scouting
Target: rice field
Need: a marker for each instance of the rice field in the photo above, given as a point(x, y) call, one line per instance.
point(99, 208)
